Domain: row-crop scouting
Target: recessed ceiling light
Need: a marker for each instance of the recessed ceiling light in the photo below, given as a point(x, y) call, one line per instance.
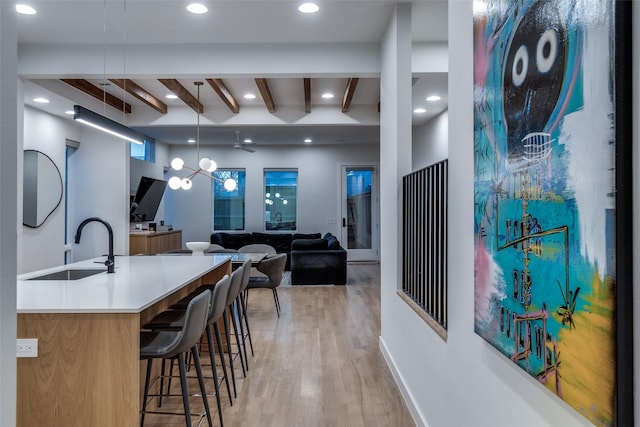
point(433, 98)
point(249, 96)
point(70, 112)
point(197, 8)
point(308, 8)
point(248, 141)
point(327, 95)
point(41, 100)
point(25, 9)
point(171, 96)
point(308, 140)
point(419, 110)
point(191, 141)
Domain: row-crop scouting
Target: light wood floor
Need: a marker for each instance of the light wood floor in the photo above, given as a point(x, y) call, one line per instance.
point(317, 365)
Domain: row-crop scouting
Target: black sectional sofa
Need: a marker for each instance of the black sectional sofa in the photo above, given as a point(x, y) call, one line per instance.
point(312, 259)
point(318, 261)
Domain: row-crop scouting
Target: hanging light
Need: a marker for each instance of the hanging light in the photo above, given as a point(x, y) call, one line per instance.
point(230, 184)
point(98, 121)
point(205, 164)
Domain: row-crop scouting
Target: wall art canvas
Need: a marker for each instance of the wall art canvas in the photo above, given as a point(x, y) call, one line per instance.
point(547, 222)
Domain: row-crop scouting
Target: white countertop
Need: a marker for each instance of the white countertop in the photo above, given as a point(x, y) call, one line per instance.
point(139, 282)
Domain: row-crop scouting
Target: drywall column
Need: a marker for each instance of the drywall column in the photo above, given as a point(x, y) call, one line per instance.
point(8, 211)
point(395, 161)
point(395, 144)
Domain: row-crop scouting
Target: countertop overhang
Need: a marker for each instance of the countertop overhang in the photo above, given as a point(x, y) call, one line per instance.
point(138, 283)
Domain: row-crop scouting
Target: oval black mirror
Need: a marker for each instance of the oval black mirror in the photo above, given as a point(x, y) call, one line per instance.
point(42, 188)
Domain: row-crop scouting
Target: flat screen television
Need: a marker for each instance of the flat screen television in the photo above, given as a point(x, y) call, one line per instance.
point(144, 204)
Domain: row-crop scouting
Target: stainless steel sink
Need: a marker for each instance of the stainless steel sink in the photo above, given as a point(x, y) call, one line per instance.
point(69, 274)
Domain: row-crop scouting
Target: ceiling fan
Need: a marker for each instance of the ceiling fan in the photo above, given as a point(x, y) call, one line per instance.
point(243, 145)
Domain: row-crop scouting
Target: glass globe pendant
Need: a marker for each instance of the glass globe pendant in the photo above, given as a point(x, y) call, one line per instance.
point(175, 183)
point(205, 164)
point(177, 163)
point(230, 184)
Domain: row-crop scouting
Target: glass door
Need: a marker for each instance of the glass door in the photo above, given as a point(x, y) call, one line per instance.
point(360, 212)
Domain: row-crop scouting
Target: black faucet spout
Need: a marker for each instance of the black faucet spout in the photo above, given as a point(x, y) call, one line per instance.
point(110, 262)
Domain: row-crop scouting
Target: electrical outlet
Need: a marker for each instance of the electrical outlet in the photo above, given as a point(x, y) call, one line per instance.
point(27, 347)
point(331, 221)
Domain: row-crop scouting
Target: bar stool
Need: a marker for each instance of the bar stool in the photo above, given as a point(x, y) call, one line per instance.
point(237, 313)
point(243, 316)
point(169, 345)
point(174, 319)
point(234, 288)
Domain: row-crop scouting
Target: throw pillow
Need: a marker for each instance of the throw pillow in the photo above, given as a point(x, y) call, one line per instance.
point(332, 243)
point(309, 245)
point(281, 242)
point(235, 240)
point(297, 236)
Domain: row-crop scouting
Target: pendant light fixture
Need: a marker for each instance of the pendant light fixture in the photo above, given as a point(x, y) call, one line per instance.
point(101, 122)
point(205, 165)
point(97, 121)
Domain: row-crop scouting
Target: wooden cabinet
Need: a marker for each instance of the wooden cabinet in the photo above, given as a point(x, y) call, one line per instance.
point(154, 242)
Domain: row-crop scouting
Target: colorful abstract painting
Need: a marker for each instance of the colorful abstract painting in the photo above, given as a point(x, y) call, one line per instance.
point(545, 194)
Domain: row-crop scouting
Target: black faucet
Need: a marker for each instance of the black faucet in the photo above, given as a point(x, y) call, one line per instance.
point(110, 262)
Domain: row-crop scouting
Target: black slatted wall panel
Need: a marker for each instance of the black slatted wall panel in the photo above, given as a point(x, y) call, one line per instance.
point(424, 225)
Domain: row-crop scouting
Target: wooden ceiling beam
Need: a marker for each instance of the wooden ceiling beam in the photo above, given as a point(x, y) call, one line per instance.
point(99, 93)
point(263, 87)
point(181, 92)
point(221, 89)
point(307, 95)
point(352, 83)
point(140, 93)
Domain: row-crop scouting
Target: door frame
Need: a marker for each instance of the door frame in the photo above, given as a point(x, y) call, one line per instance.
point(375, 210)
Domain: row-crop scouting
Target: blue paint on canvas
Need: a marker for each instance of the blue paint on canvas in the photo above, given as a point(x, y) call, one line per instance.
point(544, 205)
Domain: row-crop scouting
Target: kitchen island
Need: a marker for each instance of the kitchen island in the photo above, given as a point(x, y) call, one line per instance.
point(87, 372)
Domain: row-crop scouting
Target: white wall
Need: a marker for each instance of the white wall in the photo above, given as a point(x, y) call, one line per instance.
point(403, 339)
point(317, 166)
point(431, 141)
point(464, 381)
point(43, 247)
point(8, 218)
point(99, 187)
point(430, 57)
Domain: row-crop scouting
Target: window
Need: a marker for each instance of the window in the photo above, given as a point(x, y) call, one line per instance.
point(145, 151)
point(280, 198)
point(228, 206)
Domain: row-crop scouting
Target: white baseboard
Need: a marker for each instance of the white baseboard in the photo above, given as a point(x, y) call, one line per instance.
point(416, 414)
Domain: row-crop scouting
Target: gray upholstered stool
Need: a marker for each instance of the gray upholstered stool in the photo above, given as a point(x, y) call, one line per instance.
point(174, 319)
point(232, 296)
point(173, 345)
point(243, 303)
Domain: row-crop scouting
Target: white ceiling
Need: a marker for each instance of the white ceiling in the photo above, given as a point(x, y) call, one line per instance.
point(166, 22)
